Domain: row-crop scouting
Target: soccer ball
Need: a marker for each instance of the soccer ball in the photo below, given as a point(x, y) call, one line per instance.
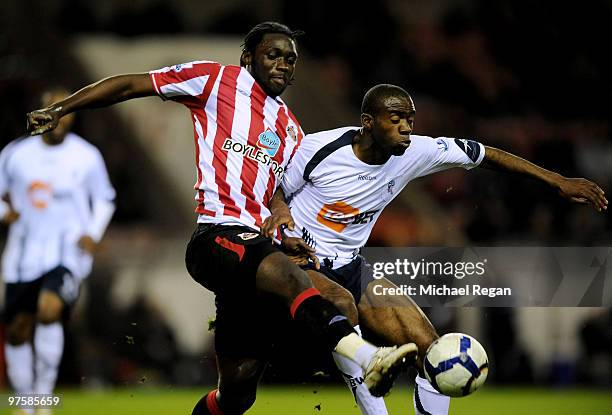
point(456, 364)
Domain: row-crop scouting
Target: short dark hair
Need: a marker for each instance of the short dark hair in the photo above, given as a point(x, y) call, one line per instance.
point(253, 38)
point(373, 99)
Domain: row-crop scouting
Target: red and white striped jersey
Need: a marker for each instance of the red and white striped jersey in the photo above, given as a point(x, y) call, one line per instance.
point(243, 139)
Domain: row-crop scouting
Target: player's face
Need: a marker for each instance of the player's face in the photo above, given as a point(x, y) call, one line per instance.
point(392, 126)
point(65, 123)
point(273, 63)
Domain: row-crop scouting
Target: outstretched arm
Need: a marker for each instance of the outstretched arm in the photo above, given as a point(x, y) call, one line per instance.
point(103, 93)
point(577, 190)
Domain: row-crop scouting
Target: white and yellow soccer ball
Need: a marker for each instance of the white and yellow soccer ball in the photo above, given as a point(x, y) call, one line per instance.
point(456, 364)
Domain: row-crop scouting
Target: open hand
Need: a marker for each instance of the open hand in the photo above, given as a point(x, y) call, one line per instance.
point(583, 191)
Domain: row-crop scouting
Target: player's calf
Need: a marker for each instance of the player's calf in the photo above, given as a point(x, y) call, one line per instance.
point(396, 320)
point(278, 275)
point(337, 294)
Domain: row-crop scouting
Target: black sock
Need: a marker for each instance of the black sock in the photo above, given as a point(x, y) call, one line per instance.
point(321, 316)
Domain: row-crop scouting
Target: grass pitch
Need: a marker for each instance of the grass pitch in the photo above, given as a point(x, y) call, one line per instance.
point(312, 399)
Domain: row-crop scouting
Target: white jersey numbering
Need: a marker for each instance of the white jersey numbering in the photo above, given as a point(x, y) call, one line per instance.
point(335, 198)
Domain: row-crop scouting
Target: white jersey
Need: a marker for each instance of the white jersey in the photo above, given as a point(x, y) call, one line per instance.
point(335, 198)
point(61, 193)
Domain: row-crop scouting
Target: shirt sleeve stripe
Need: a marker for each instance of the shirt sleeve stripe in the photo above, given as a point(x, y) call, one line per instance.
point(344, 140)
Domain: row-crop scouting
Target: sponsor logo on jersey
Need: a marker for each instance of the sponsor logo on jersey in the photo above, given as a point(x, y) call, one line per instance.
point(469, 147)
point(255, 154)
point(442, 145)
point(269, 142)
point(291, 132)
point(40, 194)
point(245, 236)
point(308, 238)
point(366, 177)
point(339, 215)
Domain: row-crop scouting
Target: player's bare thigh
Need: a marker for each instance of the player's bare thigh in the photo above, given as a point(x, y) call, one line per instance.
point(395, 319)
point(50, 307)
point(277, 275)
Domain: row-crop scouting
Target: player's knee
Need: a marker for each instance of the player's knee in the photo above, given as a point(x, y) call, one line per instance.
point(50, 307)
point(277, 274)
point(48, 314)
point(19, 331)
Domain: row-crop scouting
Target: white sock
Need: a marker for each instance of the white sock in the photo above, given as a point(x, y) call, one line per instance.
point(19, 367)
point(353, 376)
point(49, 345)
point(356, 349)
point(427, 400)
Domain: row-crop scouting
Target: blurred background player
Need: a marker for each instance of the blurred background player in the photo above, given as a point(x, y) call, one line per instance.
point(245, 136)
point(57, 201)
point(338, 184)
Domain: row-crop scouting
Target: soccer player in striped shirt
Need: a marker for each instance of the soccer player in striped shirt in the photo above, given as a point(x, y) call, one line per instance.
point(338, 184)
point(244, 137)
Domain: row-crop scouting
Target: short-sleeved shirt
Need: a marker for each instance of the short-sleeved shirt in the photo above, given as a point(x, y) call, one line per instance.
point(243, 137)
point(335, 198)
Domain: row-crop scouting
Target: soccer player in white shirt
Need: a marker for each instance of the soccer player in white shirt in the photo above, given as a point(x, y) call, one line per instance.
point(58, 201)
point(245, 136)
point(338, 183)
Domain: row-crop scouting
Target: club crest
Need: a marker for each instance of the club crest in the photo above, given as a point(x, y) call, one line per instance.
point(291, 132)
point(245, 236)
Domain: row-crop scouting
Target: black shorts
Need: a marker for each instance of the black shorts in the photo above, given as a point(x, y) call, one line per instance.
point(354, 276)
point(224, 259)
point(22, 297)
